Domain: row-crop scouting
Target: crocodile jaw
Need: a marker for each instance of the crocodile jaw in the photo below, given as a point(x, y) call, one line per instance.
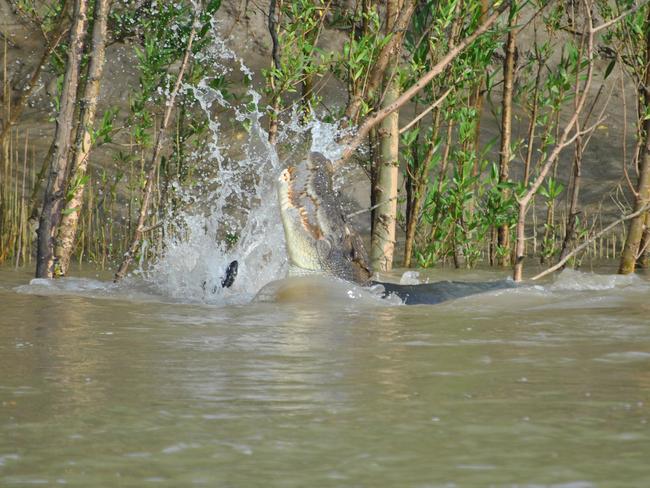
point(301, 243)
point(317, 235)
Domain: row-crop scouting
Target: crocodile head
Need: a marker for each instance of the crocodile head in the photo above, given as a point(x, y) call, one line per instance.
point(317, 235)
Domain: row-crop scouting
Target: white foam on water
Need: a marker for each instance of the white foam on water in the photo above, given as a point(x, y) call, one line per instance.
point(572, 280)
point(88, 287)
point(410, 278)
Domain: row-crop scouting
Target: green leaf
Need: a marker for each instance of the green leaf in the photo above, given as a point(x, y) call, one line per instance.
point(213, 6)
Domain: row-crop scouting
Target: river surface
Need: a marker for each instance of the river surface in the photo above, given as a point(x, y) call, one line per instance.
point(325, 386)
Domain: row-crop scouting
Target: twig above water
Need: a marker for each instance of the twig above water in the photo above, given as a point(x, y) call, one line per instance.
point(563, 261)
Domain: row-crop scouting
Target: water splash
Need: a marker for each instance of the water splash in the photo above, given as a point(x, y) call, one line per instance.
point(233, 213)
point(572, 280)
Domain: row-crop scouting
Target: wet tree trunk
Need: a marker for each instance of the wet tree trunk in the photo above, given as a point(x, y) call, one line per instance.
point(632, 248)
point(53, 198)
point(503, 233)
point(531, 126)
point(384, 221)
point(83, 144)
point(635, 230)
point(34, 205)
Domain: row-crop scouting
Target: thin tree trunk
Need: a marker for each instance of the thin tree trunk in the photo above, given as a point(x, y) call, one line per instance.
point(503, 234)
point(476, 100)
point(54, 193)
point(531, 127)
point(372, 172)
point(549, 231)
point(38, 182)
point(419, 190)
point(273, 21)
point(383, 237)
point(572, 218)
point(563, 142)
point(635, 230)
point(307, 95)
point(4, 153)
point(413, 201)
point(83, 145)
point(644, 259)
point(155, 162)
point(442, 174)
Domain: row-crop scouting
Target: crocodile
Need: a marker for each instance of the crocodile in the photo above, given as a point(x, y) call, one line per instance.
point(320, 240)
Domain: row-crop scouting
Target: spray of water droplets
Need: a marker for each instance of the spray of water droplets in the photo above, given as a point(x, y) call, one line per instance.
point(233, 213)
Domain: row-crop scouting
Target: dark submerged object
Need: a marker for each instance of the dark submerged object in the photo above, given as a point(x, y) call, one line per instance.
point(231, 273)
point(440, 291)
point(226, 280)
point(320, 240)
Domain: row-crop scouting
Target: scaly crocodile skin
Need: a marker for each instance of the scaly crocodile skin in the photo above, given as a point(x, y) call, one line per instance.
point(318, 237)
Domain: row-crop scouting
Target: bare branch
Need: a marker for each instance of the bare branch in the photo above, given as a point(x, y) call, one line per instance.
point(370, 209)
point(563, 261)
point(424, 112)
point(375, 119)
point(624, 14)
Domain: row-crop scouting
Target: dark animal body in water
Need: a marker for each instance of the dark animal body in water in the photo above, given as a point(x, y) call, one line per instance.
point(440, 291)
point(320, 240)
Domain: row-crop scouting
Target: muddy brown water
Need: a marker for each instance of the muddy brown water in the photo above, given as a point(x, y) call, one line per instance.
point(542, 386)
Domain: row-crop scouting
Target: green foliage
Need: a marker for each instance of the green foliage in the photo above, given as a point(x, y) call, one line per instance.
point(103, 134)
point(164, 29)
point(455, 179)
point(300, 60)
point(626, 37)
point(551, 191)
point(460, 202)
point(360, 53)
point(42, 14)
point(77, 182)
